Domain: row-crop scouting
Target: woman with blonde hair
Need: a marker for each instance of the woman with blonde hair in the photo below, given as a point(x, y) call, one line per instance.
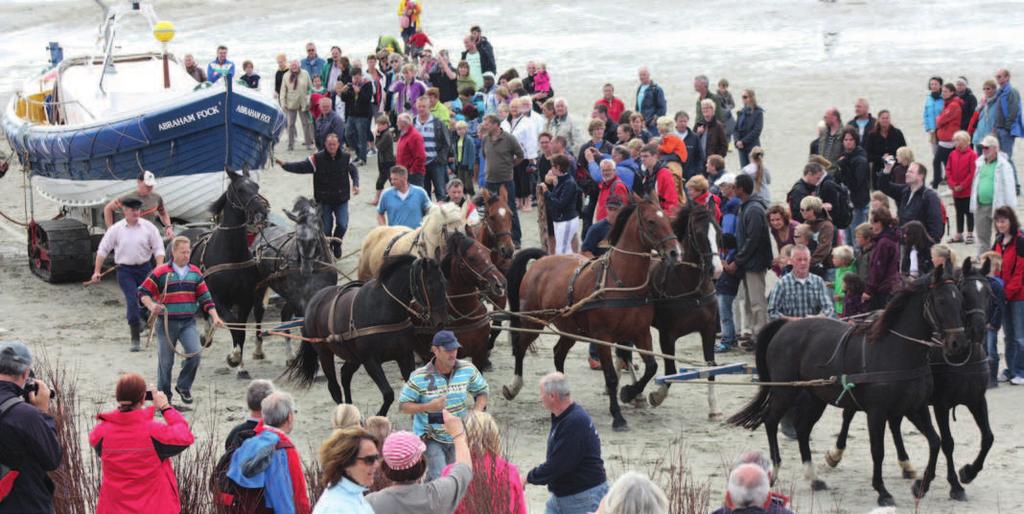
point(346, 415)
point(350, 458)
point(822, 232)
point(749, 123)
point(757, 171)
point(496, 486)
point(960, 169)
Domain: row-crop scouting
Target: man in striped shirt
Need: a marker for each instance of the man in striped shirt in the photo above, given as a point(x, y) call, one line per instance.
point(174, 292)
point(435, 142)
point(444, 383)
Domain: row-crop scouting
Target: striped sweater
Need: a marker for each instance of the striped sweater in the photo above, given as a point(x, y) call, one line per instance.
point(183, 297)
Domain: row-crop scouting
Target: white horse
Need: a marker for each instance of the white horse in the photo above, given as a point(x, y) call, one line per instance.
point(426, 241)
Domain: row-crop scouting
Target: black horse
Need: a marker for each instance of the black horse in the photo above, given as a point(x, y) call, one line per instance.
point(888, 364)
point(223, 255)
point(369, 324)
point(684, 296)
point(295, 264)
point(960, 378)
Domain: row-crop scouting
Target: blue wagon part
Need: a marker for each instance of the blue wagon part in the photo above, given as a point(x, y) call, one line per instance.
point(688, 374)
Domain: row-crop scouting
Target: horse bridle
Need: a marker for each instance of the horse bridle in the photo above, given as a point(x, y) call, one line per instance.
point(420, 311)
point(245, 206)
point(932, 318)
point(495, 235)
point(645, 237)
point(984, 282)
point(480, 276)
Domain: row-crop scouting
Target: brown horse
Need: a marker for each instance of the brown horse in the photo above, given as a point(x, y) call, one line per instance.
point(471, 275)
point(684, 295)
point(617, 285)
point(495, 228)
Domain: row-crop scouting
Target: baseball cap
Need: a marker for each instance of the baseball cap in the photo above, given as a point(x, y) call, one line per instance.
point(446, 339)
point(403, 450)
point(990, 141)
point(728, 178)
point(15, 351)
point(147, 178)
point(489, 74)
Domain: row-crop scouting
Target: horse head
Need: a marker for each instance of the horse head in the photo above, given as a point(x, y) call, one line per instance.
point(469, 261)
point(308, 232)
point(497, 222)
point(943, 307)
point(429, 290)
point(653, 229)
point(440, 222)
point(974, 287)
point(241, 203)
point(692, 227)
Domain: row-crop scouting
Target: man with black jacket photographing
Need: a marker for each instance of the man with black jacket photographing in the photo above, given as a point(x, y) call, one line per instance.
point(29, 447)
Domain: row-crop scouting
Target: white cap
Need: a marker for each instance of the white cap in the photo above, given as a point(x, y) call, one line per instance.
point(148, 178)
point(728, 178)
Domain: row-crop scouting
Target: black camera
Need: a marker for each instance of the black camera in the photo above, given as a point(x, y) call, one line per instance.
point(435, 418)
point(32, 386)
point(149, 395)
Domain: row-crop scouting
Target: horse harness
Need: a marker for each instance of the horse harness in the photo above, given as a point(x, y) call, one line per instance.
point(354, 333)
point(204, 241)
point(283, 267)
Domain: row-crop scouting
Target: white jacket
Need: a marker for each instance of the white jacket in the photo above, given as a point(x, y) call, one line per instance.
point(525, 131)
point(1005, 192)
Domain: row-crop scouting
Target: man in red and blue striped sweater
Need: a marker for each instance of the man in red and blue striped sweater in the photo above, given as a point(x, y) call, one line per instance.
point(174, 292)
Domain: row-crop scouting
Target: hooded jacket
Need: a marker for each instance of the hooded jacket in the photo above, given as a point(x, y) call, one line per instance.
point(28, 444)
point(135, 451)
point(856, 174)
point(884, 264)
point(753, 238)
point(1005, 188)
point(268, 460)
point(1013, 266)
point(949, 119)
point(932, 107)
point(652, 105)
point(749, 123)
point(960, 169)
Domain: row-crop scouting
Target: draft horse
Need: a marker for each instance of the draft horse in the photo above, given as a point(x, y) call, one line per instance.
point(426, 241)
point(887, 363)
point(613, 290)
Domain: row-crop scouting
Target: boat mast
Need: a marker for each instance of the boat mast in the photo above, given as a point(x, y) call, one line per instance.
point(114, 16)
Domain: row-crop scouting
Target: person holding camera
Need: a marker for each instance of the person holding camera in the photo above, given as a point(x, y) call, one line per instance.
point(135, 450)
point(29, 447)
point(444, 383)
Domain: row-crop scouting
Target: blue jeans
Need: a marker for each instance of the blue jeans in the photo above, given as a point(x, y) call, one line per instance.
point(744, 154)
point(992, 349)
point(438, 456)
point(517, 233)
point(436, 179)
point(180, 331)
point(355, 134)
point(725, 315)
point(1013, 332)
point(1006, 146)
point(859, 216)
point(330, 213)
point(129, 278)
point(579, 503)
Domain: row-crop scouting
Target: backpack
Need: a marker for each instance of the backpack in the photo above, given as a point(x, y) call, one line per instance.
point(842, 208)
point(230, 498)
point(7, 474)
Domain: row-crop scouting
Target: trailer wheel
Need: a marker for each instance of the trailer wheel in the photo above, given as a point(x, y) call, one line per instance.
point(59, 250)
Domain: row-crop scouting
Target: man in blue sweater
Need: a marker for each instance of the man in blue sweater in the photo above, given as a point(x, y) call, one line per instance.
point(573, 471)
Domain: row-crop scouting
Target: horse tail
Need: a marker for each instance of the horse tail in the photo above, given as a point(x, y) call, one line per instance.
point(516, 272)
point(753, 414)
point(302, 370)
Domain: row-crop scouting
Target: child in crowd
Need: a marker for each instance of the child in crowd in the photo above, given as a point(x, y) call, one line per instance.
point(464, 156)
point(672, 150)
point(803, 234)
point(315, 95)
point(862, 234)
point(942, 254)
point(417, 42)
point(726, 287)
point(879, 199)
point(542, 81)
point(783, 260)
point(996, 307)
point(723, 91)
point(853, 302)
point(560, 195)
point(250, 79)
point(917, 250)
point(842, 261)
point(380, 428)
point(385, 143)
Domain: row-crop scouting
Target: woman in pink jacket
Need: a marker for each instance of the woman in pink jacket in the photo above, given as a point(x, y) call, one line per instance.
point(496, 486)
point(135, 451)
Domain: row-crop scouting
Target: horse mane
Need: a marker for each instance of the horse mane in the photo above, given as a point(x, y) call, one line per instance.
point(620, 223)
point(681, 223)
point(458, 243)
point(301, 204)
point(894, 309)
point(218, 205)
point(393, 263)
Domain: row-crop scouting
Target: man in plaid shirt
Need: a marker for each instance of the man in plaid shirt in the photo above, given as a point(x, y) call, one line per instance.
point(799, 294)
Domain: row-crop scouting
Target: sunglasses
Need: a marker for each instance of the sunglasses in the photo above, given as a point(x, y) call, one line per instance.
point(370, 459)
point(745, 97)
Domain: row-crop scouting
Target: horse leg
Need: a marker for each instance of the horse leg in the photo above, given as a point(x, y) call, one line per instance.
point(243, 314)
point(562, 348)
point(780, 402)
point(707, 342)
point(406, 365)
point(979, 410)
point(235, 357)
point(956, 491)
point(876, 433)
point(327, 365)
point(348, 369)
point(923, 421)
point(834, 456)
point(520, 341)
point(632, 391)
point(287, 314)
point(667, 343)
point(376, 372)
point(808, 416)
point(906, 467)
point(611, 384)
point(258, 309)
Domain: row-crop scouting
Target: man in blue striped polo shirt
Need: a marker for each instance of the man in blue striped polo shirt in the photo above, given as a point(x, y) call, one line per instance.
point(444, 383)
point(435, 142)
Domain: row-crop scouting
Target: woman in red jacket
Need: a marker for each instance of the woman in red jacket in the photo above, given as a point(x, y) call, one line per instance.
point(960, 168)
point(947, 124)
point(1010, 246)
point(135, 451)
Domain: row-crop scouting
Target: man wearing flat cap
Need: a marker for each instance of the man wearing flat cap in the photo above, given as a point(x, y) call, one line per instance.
point(29, 447)
point(444, 383)
point(152, 203)
point(136, 244)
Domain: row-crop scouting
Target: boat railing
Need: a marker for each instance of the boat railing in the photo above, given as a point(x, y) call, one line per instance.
point(39, 110)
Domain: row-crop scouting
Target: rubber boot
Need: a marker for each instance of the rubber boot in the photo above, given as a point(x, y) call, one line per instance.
point(336, 249)
point(136, 328)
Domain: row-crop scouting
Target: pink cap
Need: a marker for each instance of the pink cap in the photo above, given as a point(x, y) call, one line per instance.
point(403, 450)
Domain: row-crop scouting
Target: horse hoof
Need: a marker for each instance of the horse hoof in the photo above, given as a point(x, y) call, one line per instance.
point(656, 398)
point(627, 394)
point(967, 474)
point(233, 362)
point(640, 402)
point(833, 457)
point(714, 416)
point(258, 356)
point(486, 367)
point(918, 489)
point(507, 393)
point(819, 485)
point(620, 425)
point(243, 375)
point(885, 500)
point(958, 494)
point(909, 474)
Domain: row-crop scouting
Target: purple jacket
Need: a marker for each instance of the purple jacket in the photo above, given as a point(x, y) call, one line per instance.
point(884, 265)
point(406, 95)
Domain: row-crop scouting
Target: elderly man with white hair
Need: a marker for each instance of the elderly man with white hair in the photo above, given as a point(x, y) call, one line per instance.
point(574, 470)
point(650, 100)
point(776, 503)
point(634, 493)
point(748, 490)
point(993, 187)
